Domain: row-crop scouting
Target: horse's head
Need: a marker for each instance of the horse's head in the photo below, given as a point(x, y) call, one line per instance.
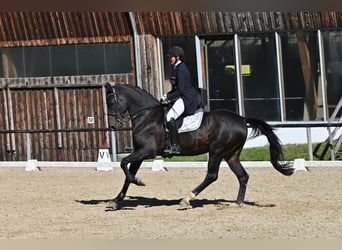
point(122, 98)
point(117, 105)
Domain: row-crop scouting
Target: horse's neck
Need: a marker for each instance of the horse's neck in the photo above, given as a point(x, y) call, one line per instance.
point(137, 99)
point(139, 104)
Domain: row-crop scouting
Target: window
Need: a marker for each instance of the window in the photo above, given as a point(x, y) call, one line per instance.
point(12, 62)
point(333, 68)
point(221, 73)
point(66, 60)
point(301, 85)
point(90, 59)
point(36, 61)
point(189, 47)
point(117, 58)
point(260, 85)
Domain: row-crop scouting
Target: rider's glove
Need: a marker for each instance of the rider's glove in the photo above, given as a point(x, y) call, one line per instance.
point(164, 99)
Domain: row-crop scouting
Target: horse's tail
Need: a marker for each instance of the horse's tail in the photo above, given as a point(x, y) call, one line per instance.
point(276, 154)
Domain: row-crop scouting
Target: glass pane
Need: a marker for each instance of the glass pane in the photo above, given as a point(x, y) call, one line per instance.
point(259, 71)
point(222, 77)
point(301, 82)
point(12, 62)
point(63, 60)
point(90, 59)
point(118, 58)
point(37, 63)
point(189, 47)
point(333, 63)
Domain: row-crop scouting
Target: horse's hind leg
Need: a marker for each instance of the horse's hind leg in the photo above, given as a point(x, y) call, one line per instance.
point(211, 176)
point(235, 165)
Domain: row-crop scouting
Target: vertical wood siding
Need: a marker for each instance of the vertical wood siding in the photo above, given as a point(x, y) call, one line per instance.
point(148, 53)
point(216, 23)
point(47, 28)
point(35, 106)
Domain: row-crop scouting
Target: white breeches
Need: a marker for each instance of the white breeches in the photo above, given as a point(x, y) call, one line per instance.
point(176, 110)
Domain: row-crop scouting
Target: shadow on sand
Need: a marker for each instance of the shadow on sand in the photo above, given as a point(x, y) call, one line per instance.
point(132, 202)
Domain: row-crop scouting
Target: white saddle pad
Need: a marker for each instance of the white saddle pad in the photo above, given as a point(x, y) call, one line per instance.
point(191, 122)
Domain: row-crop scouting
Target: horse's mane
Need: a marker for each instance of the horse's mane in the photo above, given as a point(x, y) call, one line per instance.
point(139, 90)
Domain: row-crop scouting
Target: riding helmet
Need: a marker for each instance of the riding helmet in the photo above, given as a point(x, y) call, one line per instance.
point(176, 51)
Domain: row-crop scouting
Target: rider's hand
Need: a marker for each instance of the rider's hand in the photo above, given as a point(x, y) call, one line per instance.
point(164, 99)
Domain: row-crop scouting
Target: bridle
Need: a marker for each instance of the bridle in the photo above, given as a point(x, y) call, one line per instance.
point(119, 117)
point(122, 118)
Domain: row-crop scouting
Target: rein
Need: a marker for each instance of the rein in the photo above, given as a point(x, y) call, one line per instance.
point(137, 113)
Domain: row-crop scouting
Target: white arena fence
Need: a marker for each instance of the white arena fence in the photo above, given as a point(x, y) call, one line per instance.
point(104, 161)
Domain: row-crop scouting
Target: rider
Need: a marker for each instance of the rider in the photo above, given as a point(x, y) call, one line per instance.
point(183, 95)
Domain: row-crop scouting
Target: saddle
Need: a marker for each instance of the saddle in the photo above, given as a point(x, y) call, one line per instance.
point(186, 123)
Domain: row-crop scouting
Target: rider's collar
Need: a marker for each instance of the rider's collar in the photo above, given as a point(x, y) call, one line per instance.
point(177, 63)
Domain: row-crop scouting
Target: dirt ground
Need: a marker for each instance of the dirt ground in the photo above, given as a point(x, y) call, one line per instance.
point(70, 203)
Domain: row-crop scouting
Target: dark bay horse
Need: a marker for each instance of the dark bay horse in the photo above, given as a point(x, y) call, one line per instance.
point(222, 134)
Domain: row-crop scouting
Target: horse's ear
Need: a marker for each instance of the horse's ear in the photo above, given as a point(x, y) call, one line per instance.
point(109, 87)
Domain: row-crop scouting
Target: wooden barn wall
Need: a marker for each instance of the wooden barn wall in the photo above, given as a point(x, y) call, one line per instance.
point(31, 105)
point(24, 28)
point(148, 53)
point(220, 23)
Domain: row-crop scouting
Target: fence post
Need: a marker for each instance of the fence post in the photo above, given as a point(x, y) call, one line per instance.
point(308, 134)
point(115, 158)
point(28, 146)
point(31, 164)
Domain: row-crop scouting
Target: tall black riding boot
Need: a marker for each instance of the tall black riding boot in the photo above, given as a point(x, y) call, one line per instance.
point(173, 147)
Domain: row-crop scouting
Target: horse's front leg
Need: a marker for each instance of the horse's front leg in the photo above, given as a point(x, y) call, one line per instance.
point(133, 169)
point(130, 176)
point(135, 159)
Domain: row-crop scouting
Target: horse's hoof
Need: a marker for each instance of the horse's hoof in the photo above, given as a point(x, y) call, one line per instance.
point(112, 205)
point(235, 204)
point(184, 204)
point(135, 181)
point(139, 182)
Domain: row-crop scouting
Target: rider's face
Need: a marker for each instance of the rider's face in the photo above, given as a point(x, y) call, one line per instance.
point(173, 60)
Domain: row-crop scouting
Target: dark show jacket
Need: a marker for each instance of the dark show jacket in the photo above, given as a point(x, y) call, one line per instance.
point(183, 88)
